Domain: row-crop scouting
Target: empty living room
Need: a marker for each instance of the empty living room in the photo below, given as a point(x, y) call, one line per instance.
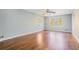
point(39, 29)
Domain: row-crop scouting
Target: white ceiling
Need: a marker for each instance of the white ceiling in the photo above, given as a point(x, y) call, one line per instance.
point(43, 12)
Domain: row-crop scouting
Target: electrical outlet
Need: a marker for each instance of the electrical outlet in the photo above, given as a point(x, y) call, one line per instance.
point(1, 37)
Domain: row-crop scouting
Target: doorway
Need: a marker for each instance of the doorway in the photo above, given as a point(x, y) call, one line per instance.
point(62, 23)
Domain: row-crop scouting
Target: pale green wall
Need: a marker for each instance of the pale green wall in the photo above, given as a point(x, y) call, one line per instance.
point(19, 22)
point(2, 22)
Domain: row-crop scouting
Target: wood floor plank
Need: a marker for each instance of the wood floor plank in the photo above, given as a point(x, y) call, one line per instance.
point(44, 40)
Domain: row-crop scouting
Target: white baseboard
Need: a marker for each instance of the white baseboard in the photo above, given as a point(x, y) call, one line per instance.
point(7, 38)
point(76, 38)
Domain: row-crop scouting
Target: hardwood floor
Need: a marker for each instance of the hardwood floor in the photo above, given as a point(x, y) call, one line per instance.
point(44, 40)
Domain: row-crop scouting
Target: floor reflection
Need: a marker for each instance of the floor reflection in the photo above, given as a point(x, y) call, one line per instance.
point(57, 41)
point(40, 42)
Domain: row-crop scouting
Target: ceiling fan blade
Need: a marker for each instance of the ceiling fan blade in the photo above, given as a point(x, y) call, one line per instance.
point(48, 11)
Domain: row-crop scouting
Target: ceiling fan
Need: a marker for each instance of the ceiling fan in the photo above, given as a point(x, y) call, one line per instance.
point(50, 11)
